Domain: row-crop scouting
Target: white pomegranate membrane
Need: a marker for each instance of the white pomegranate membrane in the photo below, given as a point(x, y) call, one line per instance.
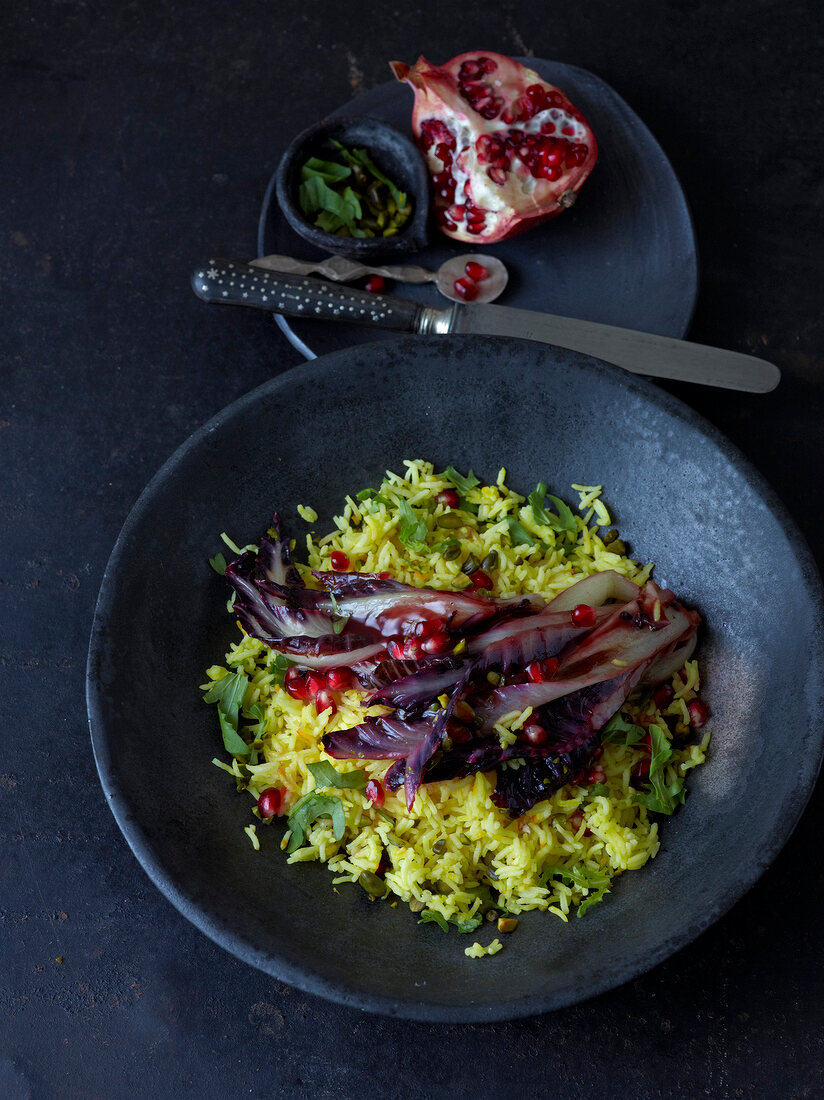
point(503, 147)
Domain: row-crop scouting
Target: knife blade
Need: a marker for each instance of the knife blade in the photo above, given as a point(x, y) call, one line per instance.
point(233, 282)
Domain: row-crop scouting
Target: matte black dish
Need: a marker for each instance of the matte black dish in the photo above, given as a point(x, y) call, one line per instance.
point(391, 151)
point(624, 254)
point(683, 497)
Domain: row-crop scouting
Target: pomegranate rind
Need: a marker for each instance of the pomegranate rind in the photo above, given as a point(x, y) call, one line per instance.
point(520, 164)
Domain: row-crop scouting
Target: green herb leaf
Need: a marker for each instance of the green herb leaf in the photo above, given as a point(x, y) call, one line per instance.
point(327, 776)
point(585, 878)
point(412, 532)
point(328, 170)
point(663, 799)
point(309, 809)
point(618, 731)
point(536, 500)
point(278, 666)
point(598, 789)
point(232, 741)
point(591, 899)
point(218, 563)
point(468, 925)
point(661, 752)
point(564, 521)
point(447, 544)
point(461, 483)
point(429, 917)
point(228, 692)
point(518, 534)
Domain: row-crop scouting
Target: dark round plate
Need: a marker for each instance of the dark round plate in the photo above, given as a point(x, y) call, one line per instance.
point(683, 497)
point(623, 255)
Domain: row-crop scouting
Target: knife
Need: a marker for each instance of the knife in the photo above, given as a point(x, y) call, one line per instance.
point(235, 283)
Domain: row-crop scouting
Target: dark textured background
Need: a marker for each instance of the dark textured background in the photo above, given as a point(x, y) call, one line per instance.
point(136, 136)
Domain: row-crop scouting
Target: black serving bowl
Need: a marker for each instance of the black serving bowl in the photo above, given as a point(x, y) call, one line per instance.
point(682, 496)
point(391, 151)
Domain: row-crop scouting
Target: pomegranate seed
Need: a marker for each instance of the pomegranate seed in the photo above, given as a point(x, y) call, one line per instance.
point(480, 579)
point(315, 683)
point(458, 732)
point(594, 775)
point(396, 650)
point(339, 560)
point(376, 284)
point(535, 734)
point(699, 713)
point(641, 770)
point(584, 615)
point(576, 820)
point(487, 64)
point(568, 131)
point(339, 679)
point(535, 672)
point(476, 271)
point(490, 110)
point(466, 288)
point(324, 701)
point(448, 498)
point(663, 696)
point(270, 801)
point(375, 793)
point(411, 649)
point(438, 643)
point(470, 69)
point(550, 666)
point(425, 628)
point(475, 228)
point(497, 175)
point(294, 682)
point(456, 212)
point(443, 153)
point(385, 576)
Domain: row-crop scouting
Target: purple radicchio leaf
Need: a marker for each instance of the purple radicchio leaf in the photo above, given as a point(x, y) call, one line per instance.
point(385, 738)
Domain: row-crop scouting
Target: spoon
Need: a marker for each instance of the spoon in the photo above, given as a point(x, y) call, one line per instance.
point(341, 270)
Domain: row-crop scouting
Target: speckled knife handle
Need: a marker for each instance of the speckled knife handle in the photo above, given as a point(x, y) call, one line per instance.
point(235, 283)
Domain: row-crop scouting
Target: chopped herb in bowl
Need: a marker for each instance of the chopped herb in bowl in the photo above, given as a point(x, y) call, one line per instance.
point(349, 196)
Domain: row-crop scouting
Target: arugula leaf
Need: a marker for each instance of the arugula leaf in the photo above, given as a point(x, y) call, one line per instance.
point(565, 521)
point(599, 789)
point(218, 563)
point(618, 731)
point(591, 899)
point(461, 483)
point(661, 752)
point(412, 531)
point(536, 499)
point(327, 776)
point(447, 544)
point(468, 925)
point(309, 809)
point(585, 878)
point(518, 535)
point(257, 712)
point(663, 799)
point(428, 916)
point(229, 693)
point(278, 666)
point(232, 741)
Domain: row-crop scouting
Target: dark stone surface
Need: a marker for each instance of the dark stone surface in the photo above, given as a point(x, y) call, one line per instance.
point(135, 136)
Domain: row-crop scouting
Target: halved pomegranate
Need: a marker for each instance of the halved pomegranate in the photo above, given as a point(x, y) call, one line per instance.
point(505, 150)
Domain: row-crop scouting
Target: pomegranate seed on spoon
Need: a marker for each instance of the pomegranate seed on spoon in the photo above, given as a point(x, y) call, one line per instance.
point(466, 289)
point(477, 272)
point(376, 284)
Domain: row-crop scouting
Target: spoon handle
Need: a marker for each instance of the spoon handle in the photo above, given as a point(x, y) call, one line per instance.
point(341, 270)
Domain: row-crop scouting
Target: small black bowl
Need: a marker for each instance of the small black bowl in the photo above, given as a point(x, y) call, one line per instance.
point(392, 152)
